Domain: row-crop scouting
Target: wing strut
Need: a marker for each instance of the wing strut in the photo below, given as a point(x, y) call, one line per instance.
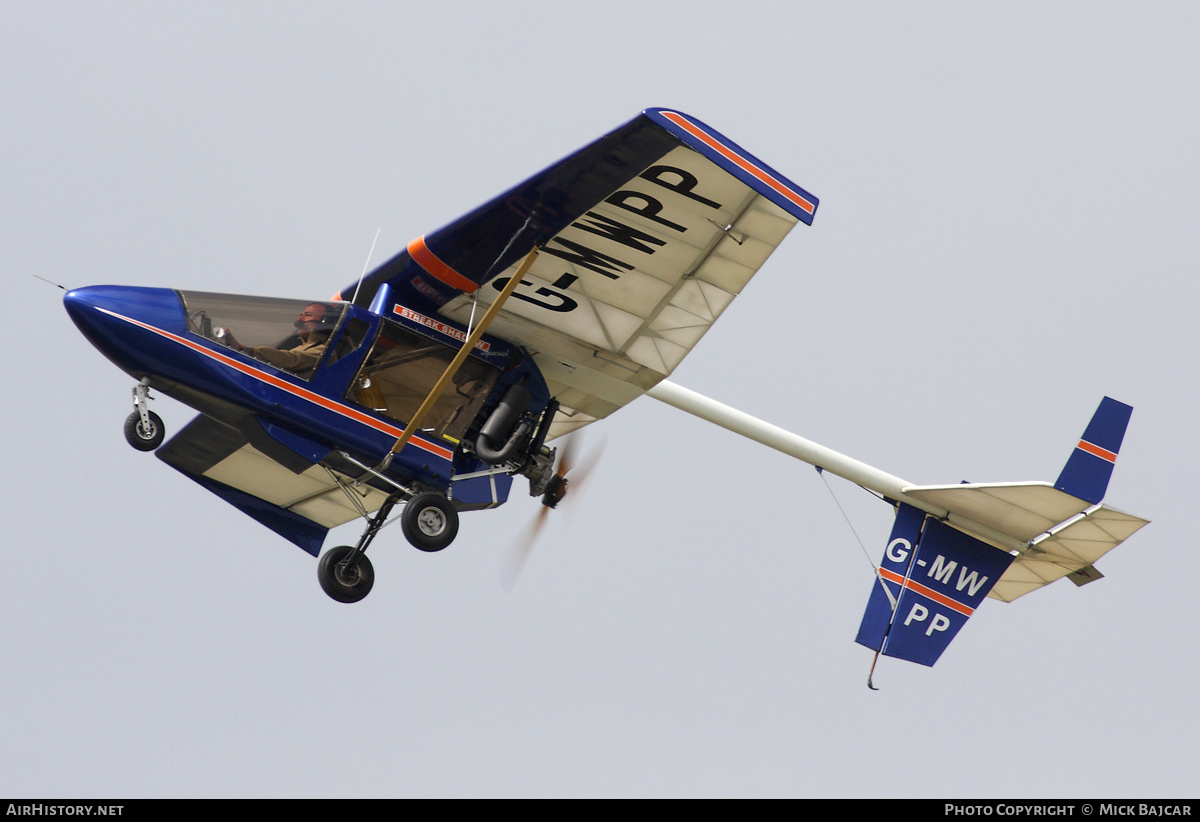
point(414, 424)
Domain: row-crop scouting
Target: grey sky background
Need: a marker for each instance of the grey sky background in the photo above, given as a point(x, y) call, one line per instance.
point(1007, 232)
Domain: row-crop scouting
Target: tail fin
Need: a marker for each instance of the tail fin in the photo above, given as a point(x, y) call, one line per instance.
point(1090, 466)
point(932, 579)
point(933, 576)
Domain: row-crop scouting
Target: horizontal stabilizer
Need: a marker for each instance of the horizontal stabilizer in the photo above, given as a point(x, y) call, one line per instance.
point(1021, 510)
point(1090, 466)
point(1069, 549)
point(932, 579)
point(1064, 526)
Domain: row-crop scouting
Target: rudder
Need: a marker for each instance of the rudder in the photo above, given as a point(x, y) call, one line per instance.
point(1090, 465)
point(931, 580)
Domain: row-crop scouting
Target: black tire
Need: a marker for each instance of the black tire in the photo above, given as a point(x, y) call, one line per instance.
point(137, 435)
point(345, 583)
point(429, 521)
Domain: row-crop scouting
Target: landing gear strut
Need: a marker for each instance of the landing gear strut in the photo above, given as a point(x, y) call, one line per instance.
point(344, 572)
point(143, 428)
point(429, 521)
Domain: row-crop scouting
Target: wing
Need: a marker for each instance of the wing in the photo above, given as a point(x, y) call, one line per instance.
point(647, 235)
point(282, 485)
point(294, 486)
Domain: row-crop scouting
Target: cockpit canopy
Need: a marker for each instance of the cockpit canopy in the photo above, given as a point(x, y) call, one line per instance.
point(262, 326)
point(399, 371)
point(255, 320)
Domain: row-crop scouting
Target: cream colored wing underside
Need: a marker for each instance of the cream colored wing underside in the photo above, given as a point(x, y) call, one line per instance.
point(617, 299)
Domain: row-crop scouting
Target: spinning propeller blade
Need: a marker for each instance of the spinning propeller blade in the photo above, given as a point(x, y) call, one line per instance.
point(568, 463)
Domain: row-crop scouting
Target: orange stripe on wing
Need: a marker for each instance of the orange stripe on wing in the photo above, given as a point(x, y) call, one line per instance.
point(1097, 451)
point(430, 262)
point(739, 160)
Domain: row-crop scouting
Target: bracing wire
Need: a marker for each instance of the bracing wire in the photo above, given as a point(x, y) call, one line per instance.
point(866, 553)
point(487, 275)
point(846, 517)
point(871, 562)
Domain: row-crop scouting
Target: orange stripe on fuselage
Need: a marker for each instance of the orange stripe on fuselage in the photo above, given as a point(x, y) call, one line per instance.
point(431, 263)
point(302, 393)
point(1097, 451)
point(916, 587)
point(739, 160)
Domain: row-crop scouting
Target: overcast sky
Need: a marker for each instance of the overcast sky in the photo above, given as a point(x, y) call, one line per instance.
point(1007, 232)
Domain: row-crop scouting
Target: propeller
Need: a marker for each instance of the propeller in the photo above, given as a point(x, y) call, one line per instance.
point(556, 491)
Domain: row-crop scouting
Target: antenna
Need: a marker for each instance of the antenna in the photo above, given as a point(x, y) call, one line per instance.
point(366, 265)
point(43, 279)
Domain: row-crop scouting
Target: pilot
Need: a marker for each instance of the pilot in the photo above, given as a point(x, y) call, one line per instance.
point(312, 333)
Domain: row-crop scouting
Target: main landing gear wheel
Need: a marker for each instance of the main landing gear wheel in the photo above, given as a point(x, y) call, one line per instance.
point(429, 521)
point(345, 581)
point(142, 437)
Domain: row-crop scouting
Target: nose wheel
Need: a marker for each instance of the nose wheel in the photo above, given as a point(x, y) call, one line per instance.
point(144, 429)
point(144, 435)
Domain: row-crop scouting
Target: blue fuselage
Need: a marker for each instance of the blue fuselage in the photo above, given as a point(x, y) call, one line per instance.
point(146, 333)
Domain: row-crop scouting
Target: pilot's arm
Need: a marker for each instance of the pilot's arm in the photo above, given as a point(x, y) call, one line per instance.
point(301, 359)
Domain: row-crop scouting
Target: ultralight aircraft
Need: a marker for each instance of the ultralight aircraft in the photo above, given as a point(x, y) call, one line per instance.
point(442, 374)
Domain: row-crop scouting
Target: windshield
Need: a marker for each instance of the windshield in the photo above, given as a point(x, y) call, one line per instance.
point(287, 334)
point(402, 369)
